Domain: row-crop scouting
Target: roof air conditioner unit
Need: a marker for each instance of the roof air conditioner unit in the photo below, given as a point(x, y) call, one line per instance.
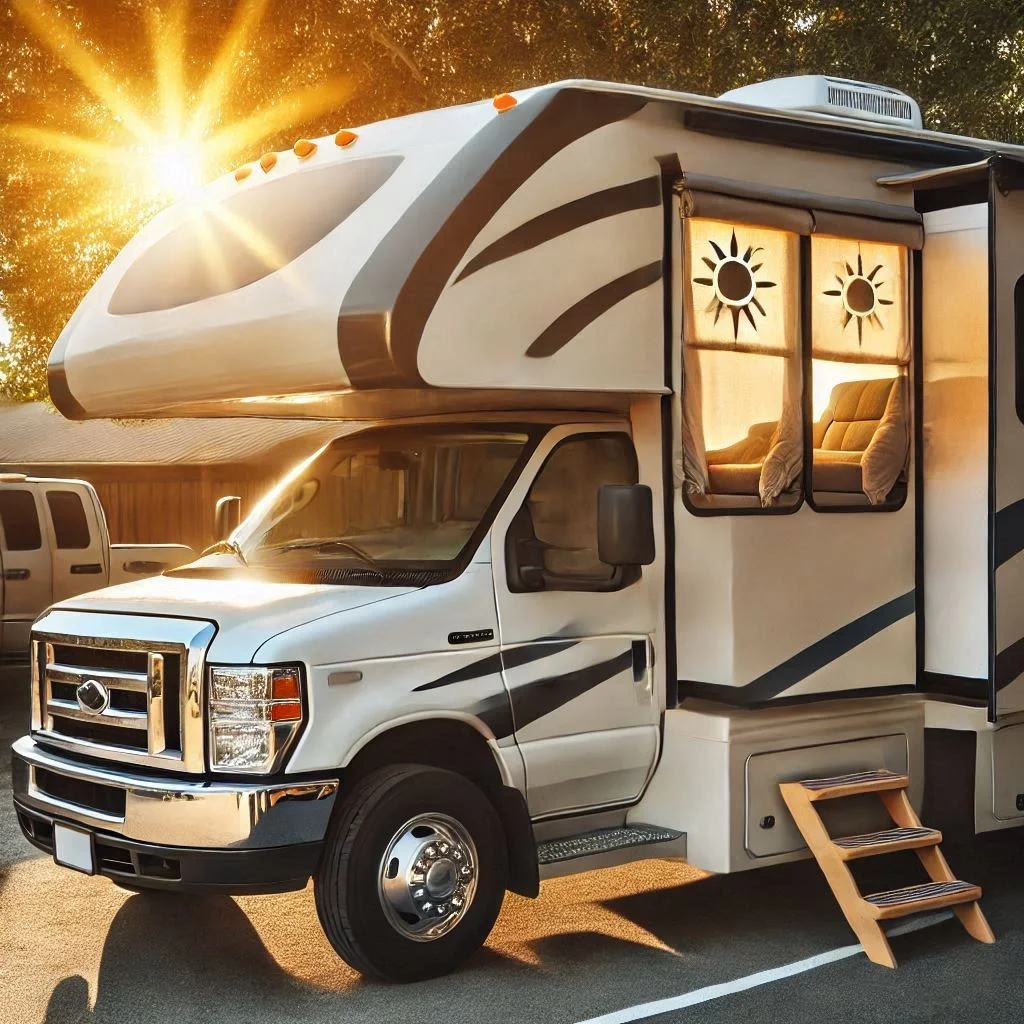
point(838, 96)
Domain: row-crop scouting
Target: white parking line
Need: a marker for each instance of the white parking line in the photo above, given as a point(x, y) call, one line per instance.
point(728, 988)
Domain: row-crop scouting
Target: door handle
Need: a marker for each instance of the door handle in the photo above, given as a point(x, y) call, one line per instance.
point(86, 569)
point(639, 660)
point(16, 574)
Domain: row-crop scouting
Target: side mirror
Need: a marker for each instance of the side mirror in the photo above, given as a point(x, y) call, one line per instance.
point(625, 524)
point(226, 516)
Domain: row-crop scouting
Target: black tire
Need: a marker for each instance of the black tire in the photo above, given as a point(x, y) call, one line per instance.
point(348, 900)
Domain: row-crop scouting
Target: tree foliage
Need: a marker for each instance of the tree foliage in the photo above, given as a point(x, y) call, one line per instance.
point(67, 207)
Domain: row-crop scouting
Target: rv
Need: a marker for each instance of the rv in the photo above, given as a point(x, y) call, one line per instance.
point(680, 461)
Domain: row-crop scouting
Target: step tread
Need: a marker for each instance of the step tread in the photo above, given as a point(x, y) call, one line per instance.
point(602, 840)
point(905, 898)
point(877, 780)
point(877, 842)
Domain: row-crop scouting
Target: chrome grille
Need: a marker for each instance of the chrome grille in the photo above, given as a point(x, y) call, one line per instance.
point(152, 713)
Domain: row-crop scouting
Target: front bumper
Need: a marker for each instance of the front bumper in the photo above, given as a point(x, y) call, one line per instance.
point(162, 832)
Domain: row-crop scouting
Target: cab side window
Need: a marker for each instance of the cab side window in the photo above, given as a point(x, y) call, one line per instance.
point(19, 520)
point(552, 543)
point(70, 525)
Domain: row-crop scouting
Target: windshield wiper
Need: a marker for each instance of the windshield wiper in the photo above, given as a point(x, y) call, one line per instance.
point(329, 545)
point(226, 547)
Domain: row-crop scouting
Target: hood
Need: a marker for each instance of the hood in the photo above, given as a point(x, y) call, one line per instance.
point(246, 613)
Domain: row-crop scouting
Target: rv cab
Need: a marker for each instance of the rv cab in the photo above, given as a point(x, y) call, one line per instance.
point(676, 490)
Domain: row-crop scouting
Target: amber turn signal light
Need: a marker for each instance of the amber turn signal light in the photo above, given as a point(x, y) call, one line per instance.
point(285, 685)
point(304, 148)
point(345, 138)
point(506, 101)
point(290, 712)
point(268, 161)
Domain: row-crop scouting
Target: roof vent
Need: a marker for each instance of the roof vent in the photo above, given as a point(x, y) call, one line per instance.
point(838, 96)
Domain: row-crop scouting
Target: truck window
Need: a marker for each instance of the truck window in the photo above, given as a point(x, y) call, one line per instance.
point(19, 520)
point(552, 543)
point(860, 348)
point(70, 524)
point(742, 376)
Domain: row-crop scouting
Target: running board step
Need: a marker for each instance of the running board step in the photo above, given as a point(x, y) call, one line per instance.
point(854, 784)
point(863, 913)
point(603, 840)
point(892, 840)
point(913, 899)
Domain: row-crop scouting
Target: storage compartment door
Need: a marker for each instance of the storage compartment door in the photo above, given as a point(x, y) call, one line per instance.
point(770, 829)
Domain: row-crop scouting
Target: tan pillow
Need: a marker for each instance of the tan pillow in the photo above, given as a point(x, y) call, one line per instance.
point(782, 465)
point(886, 454)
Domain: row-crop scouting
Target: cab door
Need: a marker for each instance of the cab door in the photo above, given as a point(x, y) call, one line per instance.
point(26, 564)
point(577, 636)
point(76, 542)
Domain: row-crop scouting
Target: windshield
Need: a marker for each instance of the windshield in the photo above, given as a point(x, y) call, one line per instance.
point(392, 498)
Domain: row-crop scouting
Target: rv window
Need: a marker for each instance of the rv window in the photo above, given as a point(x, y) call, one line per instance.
point(860, 356)
point(742, 415)
point(19, 520)
point(552, 543)
point(70, 526)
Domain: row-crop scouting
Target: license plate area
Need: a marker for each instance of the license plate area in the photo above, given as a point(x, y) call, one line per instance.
point(73, 848)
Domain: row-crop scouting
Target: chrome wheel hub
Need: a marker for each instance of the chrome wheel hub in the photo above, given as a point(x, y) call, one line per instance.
point(428, 877)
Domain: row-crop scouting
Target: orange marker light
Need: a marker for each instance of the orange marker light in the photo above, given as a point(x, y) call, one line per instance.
point(290, 712)
point(268, 161)
point(506, 101)
point(286, 686)
point(243, 172)
point(345, 138)
point(304, 148)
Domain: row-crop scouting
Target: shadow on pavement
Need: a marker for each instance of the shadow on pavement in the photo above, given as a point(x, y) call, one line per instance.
point(169, 955)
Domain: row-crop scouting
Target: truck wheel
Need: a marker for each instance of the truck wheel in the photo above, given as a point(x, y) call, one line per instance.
point(412, 875)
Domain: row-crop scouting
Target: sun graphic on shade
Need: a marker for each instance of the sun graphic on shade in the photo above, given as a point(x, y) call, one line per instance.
point(858, 293)
point(735, 283)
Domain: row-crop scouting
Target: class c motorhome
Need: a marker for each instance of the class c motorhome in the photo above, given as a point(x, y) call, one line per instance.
point(680, 456)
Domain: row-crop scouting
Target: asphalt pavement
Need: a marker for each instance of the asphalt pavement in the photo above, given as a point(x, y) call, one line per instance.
point(78, 950)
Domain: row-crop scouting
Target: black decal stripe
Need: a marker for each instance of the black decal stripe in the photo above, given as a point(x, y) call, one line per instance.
point(609, 202)
point(532, 701)
point(813, 658)
point(1009, 540)
point(1009, 664)
point(474, 670)
point(387, 305)
point(494, 662)
point(559, 333)
point(496, 713)
point(516, 656)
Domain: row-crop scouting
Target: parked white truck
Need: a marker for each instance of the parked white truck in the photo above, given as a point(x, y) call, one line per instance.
point(683, 457)
point(54, 545)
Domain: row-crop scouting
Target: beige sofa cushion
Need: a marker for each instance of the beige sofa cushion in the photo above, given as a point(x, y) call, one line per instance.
point(885, 457)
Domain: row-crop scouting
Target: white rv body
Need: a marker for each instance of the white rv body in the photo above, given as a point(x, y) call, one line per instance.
point(531, 280)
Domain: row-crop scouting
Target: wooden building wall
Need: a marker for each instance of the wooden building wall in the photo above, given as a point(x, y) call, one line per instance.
point(166, 504)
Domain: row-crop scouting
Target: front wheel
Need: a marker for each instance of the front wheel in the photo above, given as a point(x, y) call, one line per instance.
point(413, 873)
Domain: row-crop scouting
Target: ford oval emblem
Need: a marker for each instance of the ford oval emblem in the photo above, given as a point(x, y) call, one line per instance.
point(93, 697)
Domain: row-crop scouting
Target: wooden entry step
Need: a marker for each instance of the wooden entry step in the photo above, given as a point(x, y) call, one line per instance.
point(863, 913)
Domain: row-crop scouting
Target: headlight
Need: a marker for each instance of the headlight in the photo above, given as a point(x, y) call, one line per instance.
point(254, 712)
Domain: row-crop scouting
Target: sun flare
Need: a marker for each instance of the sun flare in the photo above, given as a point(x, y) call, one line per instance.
point(176, 169)
point(161, 147)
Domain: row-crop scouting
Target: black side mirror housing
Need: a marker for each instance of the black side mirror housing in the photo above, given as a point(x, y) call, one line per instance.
point(625, 524)
point(226, 516)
